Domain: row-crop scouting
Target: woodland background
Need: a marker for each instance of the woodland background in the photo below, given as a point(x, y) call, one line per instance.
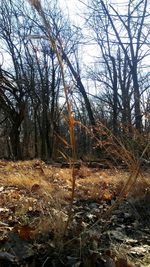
point(109, 93)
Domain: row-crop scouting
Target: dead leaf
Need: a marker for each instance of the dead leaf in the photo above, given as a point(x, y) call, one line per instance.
point(35, 187)
point(121, 262)
point(24, 231)
point(107, 195)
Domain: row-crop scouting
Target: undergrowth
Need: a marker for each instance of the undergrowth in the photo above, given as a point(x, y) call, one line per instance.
point(45, 182)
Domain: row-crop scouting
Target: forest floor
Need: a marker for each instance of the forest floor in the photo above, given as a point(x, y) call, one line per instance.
point(34, 207)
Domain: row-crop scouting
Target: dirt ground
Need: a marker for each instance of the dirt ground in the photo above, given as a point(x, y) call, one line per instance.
point(102, 231)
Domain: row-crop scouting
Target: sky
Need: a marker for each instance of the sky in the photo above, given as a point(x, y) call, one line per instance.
point(73, 8)
point(71, 5)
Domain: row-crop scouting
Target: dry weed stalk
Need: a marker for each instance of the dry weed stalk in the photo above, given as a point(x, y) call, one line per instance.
point(112, 144)
point(57, 49)
point(115, 148)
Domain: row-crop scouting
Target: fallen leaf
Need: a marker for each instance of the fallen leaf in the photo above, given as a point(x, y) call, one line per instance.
point(121, 262)
point(24, 231)
point(35, 187)
point(106, 195)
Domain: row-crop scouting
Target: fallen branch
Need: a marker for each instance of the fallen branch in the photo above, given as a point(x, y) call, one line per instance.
point(7, 256)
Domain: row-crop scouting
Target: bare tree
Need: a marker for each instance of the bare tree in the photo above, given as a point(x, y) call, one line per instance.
point(67, 40)
point(29, 87)
point(114, 31)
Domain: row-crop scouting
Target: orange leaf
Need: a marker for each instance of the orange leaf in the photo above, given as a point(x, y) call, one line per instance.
point(107, 195)
point(24, 231)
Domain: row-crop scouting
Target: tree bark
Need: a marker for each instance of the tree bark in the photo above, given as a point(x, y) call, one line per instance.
point(81, 89)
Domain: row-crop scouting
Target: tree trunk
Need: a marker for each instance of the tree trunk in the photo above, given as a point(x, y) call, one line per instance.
point(137, 109)
point(17, 119)
point(81, 89)
point(115, 97)
point(15, 142)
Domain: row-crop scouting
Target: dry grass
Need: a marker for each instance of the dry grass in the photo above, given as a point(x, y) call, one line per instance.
point(34, 187)
point(35, 176)
point(24, 174)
